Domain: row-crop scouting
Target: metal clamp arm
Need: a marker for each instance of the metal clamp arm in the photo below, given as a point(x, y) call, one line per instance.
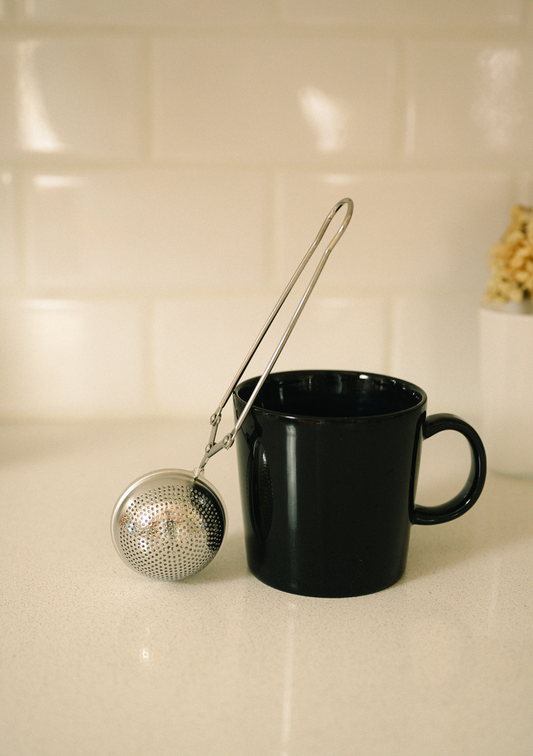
point(212, 447)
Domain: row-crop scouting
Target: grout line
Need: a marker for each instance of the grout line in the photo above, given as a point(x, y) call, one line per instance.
point(401, 105)
point(20, 201)
point(145, 107)
point(270, 232)
point(389, 334)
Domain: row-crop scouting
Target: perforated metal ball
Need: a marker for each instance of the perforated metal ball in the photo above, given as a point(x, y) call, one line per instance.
point(168, 525)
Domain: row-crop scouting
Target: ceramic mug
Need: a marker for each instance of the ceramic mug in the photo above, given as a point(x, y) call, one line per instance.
point(328, 465)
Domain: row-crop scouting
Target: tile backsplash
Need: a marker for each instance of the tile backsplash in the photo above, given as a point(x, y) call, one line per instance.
point(164, 166)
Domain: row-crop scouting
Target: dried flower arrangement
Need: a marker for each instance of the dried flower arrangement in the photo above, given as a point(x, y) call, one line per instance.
point(511, 261)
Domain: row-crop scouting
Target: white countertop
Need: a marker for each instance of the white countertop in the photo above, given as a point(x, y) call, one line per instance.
point(96, 659)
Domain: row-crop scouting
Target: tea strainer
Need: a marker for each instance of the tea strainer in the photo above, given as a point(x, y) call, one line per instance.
point(169, 524)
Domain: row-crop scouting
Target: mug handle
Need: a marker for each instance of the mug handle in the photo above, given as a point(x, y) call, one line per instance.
point(473, 487)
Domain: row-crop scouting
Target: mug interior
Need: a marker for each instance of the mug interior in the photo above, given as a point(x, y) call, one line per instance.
point(332, 394)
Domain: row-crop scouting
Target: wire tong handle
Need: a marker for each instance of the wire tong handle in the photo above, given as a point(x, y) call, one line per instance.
point(212, 447)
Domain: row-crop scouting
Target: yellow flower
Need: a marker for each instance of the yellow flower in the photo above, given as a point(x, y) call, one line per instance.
point(511, 260)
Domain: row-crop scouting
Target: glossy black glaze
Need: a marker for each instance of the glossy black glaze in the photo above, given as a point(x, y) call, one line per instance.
point(328, 462)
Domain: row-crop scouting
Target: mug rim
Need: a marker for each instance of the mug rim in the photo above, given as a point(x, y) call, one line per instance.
point(326, 418)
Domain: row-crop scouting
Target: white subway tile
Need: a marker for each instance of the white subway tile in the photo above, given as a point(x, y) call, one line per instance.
point(263, 99)
point(413, 230)
point(200, 343)
point(68, 358)
point(469, 99)
point(8, 255)
point(394, 13)
point(178, 230)
point(435, 345)
point(70, 96)
point(141, 13)
point(199, 346)
point(345, 333)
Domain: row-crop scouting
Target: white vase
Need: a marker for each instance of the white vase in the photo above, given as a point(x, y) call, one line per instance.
point(506, 340)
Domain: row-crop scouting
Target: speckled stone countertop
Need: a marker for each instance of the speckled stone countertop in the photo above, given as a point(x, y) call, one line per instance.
point(96, 659)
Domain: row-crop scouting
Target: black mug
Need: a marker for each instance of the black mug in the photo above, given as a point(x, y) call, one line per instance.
point(328, 466)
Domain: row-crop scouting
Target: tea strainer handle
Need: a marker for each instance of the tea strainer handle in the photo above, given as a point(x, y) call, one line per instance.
point(212, 447)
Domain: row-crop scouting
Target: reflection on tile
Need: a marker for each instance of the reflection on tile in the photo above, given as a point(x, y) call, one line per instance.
point(215, 336)
point(392, 13)
point(273, 98)
point(8, 258)
point(409, 230)
point(70, 358)
point(139, 12)
point(469, 99)
point(70, 96)
point(435, 345)
point(173, 229)
point(35, 128)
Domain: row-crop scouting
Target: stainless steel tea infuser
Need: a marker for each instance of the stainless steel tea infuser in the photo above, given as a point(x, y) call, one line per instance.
point(169, 524)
